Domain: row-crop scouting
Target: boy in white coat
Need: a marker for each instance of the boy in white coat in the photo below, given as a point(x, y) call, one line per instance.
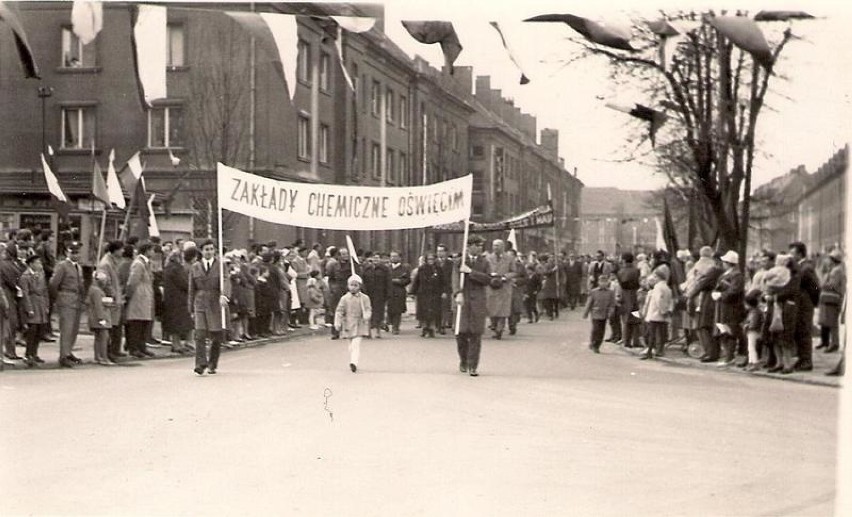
point(352, 318)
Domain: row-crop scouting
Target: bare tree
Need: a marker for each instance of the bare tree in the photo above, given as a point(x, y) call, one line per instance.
point(714, 93)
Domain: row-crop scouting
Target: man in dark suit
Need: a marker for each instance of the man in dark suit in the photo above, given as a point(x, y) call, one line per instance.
point(445, 271)
point(470, 300)
point(377, 286)
point(807, 299)
point(573, 277)
point(68, 294)
point(628, 279)
point(207, 301)
point(400, 277)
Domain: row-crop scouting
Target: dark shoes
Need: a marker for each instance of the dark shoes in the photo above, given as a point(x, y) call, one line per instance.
point(513, 331)
point(199, 371)
point(498, 334)
point(474, 373)
point(804, 366)
point(831, 349)
point(66, 363)
point(74, 359)
point(353, 367)
point(211, 371)
point(462, 367)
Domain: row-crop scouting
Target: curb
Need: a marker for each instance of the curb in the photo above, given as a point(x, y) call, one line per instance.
point(130, 360)
point(800, 378)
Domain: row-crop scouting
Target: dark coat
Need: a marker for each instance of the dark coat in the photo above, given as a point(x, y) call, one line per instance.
point(519, 287)
point(427, 286)
point(787, 298)
point(729, 308)
point(203, 294)
point(10, 274)
point(176, 316)
point(35, 302)
point(473, 309)
point(377, 285)
point(337, 276)
point(547, 272)
point(446, 272)
point(573, 277)
point(400, 278)
point(628, 279)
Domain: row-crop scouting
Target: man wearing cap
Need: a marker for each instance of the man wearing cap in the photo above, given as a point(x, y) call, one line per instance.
point(207, 300)
point(470, 301)
point(728, 295)
point(68, 293)
point(35, 301)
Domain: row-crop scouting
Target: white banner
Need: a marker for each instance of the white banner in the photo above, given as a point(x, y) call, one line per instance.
point(343, 207)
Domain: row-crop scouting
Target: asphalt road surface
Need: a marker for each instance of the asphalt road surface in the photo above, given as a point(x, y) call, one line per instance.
point(547, 429)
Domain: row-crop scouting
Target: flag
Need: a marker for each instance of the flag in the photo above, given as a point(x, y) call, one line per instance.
point(429, 32)
point(141, 201)
point(656, 118)
point(52, 182)
point(659, 241)
point(153, 229)
point(116, 196)
point(131, 173)
point(524, 78)
point(174, 159)
point(609, 36)
point(745, 34)
point(669, 231)
point(351, 247)
point(9, 14)
point(149, 42)
point(278, 35)
point(87, 19)
point(668, 36)
point(781, 16)
point(514, 240)
point(352, 24)
point(99, 188)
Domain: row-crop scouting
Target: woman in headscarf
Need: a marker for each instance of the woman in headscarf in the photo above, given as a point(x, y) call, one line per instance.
point(832, 291)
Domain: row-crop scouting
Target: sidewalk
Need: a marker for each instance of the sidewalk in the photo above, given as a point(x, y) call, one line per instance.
point(822, 363)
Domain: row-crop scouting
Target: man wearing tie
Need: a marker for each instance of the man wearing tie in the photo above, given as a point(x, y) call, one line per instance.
point(66, 290)
point(207, 300)
point(470, 300)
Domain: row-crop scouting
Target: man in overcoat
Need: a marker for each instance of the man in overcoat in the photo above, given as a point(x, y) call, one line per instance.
point(109, 265)
point(377, 285)
point(35, 300)
point(499, 293)
point(445, 268)
point(140, 301)
point(400, 278)
point(68, 293)
point(808, 298)
point(470, 300)
point(207, 299)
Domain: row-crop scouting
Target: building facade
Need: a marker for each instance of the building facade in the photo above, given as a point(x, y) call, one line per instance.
point(616, 221)
point(401, 123)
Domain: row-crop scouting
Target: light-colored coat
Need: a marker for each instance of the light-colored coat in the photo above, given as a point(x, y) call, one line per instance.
point(834, 282)
point(66, 285)
point(109, 266)
point(140, 291)
point(498, 302)
point(352, 317)
point(35, 297)
point(659, 304)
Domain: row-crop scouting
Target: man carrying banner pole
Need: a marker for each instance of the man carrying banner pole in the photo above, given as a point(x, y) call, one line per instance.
point(470, 278)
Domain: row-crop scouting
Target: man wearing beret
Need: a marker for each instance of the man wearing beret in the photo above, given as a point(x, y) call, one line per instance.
point(470, 301)
point(68, 294)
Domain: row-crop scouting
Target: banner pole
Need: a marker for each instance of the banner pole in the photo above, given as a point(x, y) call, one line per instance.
point(125, 230)
point(461, 280)
point(221, 257)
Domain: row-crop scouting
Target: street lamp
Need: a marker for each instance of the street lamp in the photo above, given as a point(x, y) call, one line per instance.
point(43, 93)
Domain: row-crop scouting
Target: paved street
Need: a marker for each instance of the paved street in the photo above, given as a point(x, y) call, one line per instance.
point(547, 429)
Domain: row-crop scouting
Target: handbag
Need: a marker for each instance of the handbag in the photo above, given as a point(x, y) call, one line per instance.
point(830, 298)
point(777, 323)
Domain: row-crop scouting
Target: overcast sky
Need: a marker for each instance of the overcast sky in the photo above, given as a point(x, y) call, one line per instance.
point(805, 130)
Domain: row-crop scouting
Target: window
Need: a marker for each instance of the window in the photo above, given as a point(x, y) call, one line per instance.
point(389, 115)
point(303, 66)
point(477, 151)
point(376, 160)
point(74, 53)
point(403, 169)
point(304, 138)
point(325, 71)
point(403, 111)
point(176, 47)
point(391, 171)
point(435, 130)
point(454, 138)
point(165, 127)
point(356, 84)
point(323, 143)
point(78, 127)
point(374, 98)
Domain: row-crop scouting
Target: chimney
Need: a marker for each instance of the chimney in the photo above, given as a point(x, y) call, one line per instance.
point(483, 89)
point(496, 102)
point(518, 120)
point(550, 142)
point(464, 78)
point(529, 124)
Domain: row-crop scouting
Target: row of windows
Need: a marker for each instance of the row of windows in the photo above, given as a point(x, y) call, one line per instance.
point(304, 70)
point(303, 146)
point(396, 163)
point(77, 55)
point(78, 127)
point(396, 106)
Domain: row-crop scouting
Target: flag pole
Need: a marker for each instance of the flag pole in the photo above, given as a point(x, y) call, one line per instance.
point(101, 238)
point(221, 258)
point(461, 280)
point(124, 229)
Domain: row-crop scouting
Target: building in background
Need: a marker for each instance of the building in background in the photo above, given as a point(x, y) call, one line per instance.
point(617, 221)
point(402, 123)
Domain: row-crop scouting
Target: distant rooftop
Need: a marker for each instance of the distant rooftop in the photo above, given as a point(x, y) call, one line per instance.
point(614, 201)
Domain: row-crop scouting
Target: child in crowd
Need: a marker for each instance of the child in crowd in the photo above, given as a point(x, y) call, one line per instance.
point(601, 306)
point(322, 283)
point(753, 326)
point(352, 318)
point(100, 319)
point(658, 312)
point(315, 301)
